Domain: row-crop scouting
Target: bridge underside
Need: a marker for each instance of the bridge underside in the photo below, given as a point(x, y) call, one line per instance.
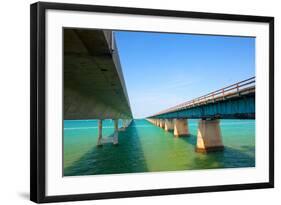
point(239, 107)
point(94, 87)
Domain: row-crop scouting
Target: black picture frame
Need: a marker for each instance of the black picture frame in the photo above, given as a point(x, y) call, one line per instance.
point(38, 101)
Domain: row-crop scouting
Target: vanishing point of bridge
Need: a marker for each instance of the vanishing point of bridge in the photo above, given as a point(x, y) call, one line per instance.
point(236, 101)
point(94, 88)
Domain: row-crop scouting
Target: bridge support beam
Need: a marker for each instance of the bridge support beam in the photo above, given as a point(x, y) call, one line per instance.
point(209, 136)
point(115, 135)
point(169, 125)
point(99, 143)
point(180, 127)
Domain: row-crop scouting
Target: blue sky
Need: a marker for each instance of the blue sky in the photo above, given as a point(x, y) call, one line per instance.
point(162, 70)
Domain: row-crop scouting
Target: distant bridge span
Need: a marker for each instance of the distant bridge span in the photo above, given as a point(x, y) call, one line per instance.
point(236, 101)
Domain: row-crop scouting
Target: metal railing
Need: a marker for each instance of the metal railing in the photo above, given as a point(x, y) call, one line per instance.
point(212, 96)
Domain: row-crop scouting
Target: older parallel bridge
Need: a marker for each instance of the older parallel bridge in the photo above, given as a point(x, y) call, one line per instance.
point(236, 101)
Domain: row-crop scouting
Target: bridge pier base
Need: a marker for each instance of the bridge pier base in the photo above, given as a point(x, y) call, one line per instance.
point(209, 136)
point(169, 125)
point(180, 127)
point(115, 135)
point(99, 143)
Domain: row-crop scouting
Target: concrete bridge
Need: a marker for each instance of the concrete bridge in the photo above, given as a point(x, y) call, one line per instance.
point(94, 86)
point(236, 101)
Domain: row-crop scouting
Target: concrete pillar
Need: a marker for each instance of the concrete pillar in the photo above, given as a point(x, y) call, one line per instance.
point(169, 125)
point(129, 122)
point(209, 136)
point(180, 127)
point(162, 123)
point(124, 124)
point(99, 143)
point(157, 122)
point(115, 135)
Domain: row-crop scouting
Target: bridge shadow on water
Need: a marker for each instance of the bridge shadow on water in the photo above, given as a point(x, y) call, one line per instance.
point(230, 157)
point(126, 157)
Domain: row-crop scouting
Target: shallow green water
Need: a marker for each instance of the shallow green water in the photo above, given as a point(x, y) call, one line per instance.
point(144, 147)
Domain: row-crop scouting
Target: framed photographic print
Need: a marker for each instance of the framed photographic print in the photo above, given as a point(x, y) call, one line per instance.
point(129, 102)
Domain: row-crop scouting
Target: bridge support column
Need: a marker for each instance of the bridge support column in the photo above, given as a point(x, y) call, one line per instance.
point(162, 123)
point(158, 122)
point(209, 136)
point(99, 143)
point(115, 135)
point(180, 127)
point(169, 125)
point(126, 123)
point(129, 122)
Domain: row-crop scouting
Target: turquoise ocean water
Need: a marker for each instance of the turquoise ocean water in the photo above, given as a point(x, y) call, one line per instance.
point(144, 147)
